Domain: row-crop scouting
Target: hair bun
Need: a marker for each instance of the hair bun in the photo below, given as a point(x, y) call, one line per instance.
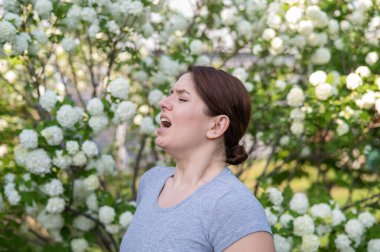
point(236, 155)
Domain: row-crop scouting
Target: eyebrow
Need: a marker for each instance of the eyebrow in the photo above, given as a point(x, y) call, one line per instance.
point(180, 91)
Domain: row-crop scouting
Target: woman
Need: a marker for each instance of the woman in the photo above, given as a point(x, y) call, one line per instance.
point(200, 205)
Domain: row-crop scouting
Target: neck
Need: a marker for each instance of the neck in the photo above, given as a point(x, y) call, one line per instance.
point(197, 168)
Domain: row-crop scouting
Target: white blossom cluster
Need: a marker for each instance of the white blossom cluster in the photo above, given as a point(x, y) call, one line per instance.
point(67, 116)
point(295, 99)
point(10, 190)
point(312, 222)
point(48, 100)
point(53, 135)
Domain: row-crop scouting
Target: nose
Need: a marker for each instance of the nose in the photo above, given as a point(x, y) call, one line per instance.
point(165, 104)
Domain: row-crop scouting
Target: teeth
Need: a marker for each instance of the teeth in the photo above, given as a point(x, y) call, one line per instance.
point(164, 120)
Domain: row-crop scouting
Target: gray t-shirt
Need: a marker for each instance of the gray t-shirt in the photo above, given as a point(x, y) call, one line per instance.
point(212, 218)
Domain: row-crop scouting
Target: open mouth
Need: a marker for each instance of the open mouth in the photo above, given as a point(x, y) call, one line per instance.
point(165, 123)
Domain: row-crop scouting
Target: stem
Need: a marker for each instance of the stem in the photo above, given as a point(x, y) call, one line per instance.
point(361, 201)
point(136, 167)
point(75, 81)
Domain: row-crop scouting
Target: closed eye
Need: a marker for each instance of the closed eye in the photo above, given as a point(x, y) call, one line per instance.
point(182, 100)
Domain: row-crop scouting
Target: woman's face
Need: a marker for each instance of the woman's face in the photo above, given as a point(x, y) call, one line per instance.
point(187, 123)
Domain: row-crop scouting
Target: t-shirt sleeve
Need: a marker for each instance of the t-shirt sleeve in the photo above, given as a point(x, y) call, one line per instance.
point(235, 215)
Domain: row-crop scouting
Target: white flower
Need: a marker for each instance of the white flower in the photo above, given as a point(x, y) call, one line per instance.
point(68, 44)
point(124, 111)
point(13, 18)
point(93, 30)
point(299, 203)
point(323, 91)
point(372, 58)
point(41, 38)
point(92, 202)
point(293, 15)
point(10, 5)
point(140, 76)
point(342, 242)
point(98, 123)
point(67, 116)
point(88, 14)
point(310, 243)
point(79, 245)
point(284, 140)
point(43, 8)
point(95, 107)
point(305, 152)
point(196, 46)
point(363, 71)
point(50, 221)
point(7, 32)
point(244, 28)
point(295, 97)
point(48, 100)
point(318, 77)
point(354, 229)
point(79, 159)
point(276, 45)
point(21, 155)
point(339, 44)
point(272, 218)
point(342, 128)
point(105, 165)
point(9, 178)
point(285, 219)
point(55, 205)
point(60, 160)
point(297, 114)
point(83, 223)
point(367, 219)
point(321, 210)
point(53, 135)
point(305, 27)
point(147, 125)
point(337, 217)
point(155, 96)
point(275, 196)
point(303, 225)
point(112, 228)
point(72, 147)
point(333, 26)
point(319, 18)
point(377, 105)
point(353, 81)
point(119, 88)
point(125, 218)
point(113, 27)
point(281, 243)
point(297, 128)
point(373, 245)
point(38, 162)
point(240, 73)
point(368, 100)
point(91, 182)
point(28, 139)
point(106, 214)
point(170, 67)
point(53, 188)
point(12, 194)
point(269, 34)
point(90, 148)
point(203, 60)
point(321, 56)
point(20, 43)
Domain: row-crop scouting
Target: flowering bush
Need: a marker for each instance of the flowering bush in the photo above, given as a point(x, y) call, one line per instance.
point(301, 225)
point(88, 76)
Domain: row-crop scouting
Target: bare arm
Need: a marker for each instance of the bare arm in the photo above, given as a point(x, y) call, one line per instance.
point(259, 241)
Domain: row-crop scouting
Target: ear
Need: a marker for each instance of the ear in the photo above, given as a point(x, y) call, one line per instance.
point(219, 125)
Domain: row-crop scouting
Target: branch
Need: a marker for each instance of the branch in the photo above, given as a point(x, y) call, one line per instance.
point(361, 201)
point(136, 167)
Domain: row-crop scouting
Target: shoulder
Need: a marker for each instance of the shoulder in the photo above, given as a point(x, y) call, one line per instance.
point(156, 171)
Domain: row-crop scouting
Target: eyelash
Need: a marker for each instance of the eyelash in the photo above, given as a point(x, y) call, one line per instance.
point(182, 100)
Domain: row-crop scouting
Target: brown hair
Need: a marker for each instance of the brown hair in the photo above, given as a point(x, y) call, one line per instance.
point(225, 94)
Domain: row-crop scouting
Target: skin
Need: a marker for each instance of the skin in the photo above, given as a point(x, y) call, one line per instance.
point(195, 141)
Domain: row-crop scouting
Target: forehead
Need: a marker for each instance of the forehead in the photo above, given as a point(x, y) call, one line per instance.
point(184, 82)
